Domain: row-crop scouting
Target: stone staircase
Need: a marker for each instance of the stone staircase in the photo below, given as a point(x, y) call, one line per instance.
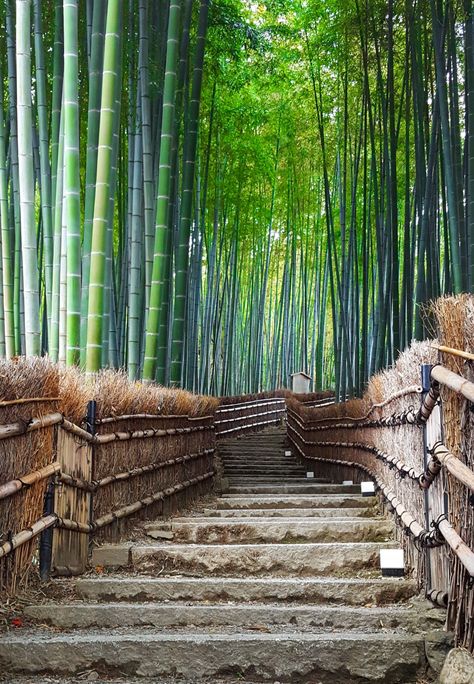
point(276, 580)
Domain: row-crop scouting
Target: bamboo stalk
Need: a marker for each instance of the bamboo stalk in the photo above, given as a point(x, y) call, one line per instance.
point(21, 428)
point(454, 381)
point(14, 486)
point(25, 535)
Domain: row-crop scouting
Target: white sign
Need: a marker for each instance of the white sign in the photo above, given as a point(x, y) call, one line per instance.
point(347, 482)
point(392, 562)
point(367, 488)
point(309, 474)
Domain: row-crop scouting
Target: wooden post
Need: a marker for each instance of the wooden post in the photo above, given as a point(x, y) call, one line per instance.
point(70, 548)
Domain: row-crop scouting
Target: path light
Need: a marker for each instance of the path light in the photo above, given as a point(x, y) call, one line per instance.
point(392, 562)
point(367, 488)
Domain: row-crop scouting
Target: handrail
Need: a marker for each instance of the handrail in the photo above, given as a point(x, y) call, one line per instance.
point(454, 381)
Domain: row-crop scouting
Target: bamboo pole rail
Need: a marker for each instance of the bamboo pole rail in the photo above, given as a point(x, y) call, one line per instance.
point(14, 486)
point(251, 415)
point(456, 467)
point(25, 535)
point(412, 389)
point(248, 427)
point(391, 461)
point(23, 427)
point(29, 400)
point(251, 404)
point(144, 434)
point(426, 537)
point(454, 381)
point(458, 546)
point(128, 510)
point(149, 416)
point(455, 352)
point(94, 485)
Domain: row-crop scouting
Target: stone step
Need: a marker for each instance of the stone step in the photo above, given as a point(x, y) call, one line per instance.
point(303, 488)
point(335, 658)
point(285, 512)
point(254, 473)
point(283, 530)
point(313, 590)
point(281, 560)
point(303, 501)
point(252, 466)
point(178, 614)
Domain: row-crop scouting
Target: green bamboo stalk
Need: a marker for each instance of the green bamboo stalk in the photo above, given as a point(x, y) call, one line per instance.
point(102, 193)
point(26, 179)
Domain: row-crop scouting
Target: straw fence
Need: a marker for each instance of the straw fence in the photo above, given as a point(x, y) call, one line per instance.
point(132, 451)
point(419, 452)
point(239, 415)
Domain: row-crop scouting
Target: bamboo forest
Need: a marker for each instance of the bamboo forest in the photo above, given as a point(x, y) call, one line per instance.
point(214, 194)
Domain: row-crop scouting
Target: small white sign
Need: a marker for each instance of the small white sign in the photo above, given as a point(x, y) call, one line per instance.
point(309, 474)
point(287, 453)
point(367, 488)
point(347, 482)
point(392, 562)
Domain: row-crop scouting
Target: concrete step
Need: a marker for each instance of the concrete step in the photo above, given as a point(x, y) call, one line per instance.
point(303, 488)
point(178, 614)
point(283, 530)
point(281, 560)
point(313, 590)
point(285, 512)
point(286, 501)
point(335, 658)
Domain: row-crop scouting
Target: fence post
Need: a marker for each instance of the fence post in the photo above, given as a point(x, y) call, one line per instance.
point(435, 495)
point(46, 541)
point(70, 548)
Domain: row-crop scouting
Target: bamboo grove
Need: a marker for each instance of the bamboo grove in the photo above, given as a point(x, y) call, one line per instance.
point(218, 193)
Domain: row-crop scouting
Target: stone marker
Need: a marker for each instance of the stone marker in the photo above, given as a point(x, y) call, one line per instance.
point(458, 668)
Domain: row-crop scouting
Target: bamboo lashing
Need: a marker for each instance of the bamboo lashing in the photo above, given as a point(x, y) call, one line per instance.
point(25, 535)
point(429, 402)
point(14, 486)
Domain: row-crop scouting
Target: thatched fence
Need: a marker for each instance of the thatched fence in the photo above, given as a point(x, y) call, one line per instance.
point(412, 433)
point(91, 467)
